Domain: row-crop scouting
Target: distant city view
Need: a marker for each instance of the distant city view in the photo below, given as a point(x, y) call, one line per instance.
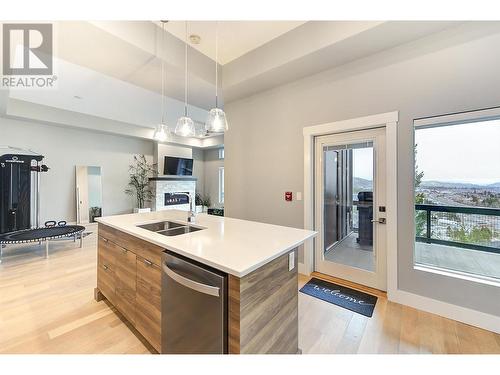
point(458, 226)
point(457, 184)
point(460, 194)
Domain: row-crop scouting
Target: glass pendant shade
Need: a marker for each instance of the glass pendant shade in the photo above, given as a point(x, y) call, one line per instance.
point(161, 133)
point(216, 121)
point(200, 130)
point(185, 127)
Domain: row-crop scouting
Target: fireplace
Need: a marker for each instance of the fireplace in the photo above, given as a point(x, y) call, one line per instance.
point(167, 192)
point(172, 199)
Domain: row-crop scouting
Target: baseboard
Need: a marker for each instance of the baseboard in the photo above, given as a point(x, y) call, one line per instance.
point(303, 269)
point(447, 310)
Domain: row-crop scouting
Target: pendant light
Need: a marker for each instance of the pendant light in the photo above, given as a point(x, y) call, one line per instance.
point(185, 125)
point(216, 119)
point(162, 132)
point(199, 130)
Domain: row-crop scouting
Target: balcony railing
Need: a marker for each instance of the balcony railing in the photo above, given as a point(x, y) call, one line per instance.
point(476, 228)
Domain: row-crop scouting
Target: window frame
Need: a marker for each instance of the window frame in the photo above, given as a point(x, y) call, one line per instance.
point(472, 116)
point(221, 185)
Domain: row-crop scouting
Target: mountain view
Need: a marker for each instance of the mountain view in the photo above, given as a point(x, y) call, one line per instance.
point(460, 194)
point(455, 185)
point(361, 184)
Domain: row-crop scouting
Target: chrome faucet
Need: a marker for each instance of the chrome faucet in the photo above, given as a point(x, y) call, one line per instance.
point(191, 212)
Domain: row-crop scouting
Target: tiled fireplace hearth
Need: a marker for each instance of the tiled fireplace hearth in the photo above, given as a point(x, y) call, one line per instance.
point(165, 188)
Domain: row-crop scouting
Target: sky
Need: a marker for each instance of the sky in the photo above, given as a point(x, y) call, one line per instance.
point(460, 153)
point(363, 163)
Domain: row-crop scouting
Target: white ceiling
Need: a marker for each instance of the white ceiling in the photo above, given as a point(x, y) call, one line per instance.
point(86, 91)
point(235, 37)
point(115, 66)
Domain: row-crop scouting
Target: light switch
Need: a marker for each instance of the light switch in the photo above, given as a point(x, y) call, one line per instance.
point(291, 261)
point(299, 196)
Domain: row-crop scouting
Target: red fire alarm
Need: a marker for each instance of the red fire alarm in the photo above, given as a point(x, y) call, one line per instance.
point(288, 196)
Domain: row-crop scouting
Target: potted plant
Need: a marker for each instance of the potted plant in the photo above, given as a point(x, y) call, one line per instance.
point(94, 212)
point(206, 202)
point(139, 186)
point(202, 202)
point(198, 203)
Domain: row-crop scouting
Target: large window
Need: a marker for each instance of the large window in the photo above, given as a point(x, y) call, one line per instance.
point(457, 194)
point(221, 185)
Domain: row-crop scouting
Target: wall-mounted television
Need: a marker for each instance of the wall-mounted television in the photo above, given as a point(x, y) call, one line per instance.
point(178, 166)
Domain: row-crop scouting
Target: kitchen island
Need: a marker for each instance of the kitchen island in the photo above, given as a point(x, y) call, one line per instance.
point(259, 262)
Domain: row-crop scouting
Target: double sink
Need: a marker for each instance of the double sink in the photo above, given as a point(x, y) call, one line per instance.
point(170, 228)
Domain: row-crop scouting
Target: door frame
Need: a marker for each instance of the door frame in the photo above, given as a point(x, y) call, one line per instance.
point(389, 122)
point(377, 278)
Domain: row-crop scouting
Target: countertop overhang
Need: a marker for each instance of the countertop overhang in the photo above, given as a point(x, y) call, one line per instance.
point(235, 246)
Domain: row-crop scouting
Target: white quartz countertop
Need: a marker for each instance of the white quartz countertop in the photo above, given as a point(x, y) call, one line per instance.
point(235, 246)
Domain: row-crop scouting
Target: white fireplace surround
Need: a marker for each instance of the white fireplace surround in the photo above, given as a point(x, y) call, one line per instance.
point(171, 184)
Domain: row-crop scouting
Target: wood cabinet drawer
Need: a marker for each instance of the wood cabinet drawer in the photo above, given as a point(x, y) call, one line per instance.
point(106, 252)
point(125, 286)
point(105, 268)
point(106, 281)
point(148, 301)
point(129, 275)
point(140, 247)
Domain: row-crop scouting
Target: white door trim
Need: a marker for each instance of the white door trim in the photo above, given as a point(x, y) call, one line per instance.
point(388, 120)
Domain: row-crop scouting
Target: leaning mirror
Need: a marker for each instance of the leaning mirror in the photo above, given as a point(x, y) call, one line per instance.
point(88, 194)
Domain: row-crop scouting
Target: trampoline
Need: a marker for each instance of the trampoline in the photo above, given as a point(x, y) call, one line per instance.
point(41, 234)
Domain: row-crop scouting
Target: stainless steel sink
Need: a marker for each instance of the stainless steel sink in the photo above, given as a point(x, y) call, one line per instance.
point(170, 228)
point(177, 231)
point(161, 225)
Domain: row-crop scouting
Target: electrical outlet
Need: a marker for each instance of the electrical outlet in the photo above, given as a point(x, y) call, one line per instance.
point(291, 261)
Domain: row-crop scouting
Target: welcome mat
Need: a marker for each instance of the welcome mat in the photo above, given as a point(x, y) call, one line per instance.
point(342, 296)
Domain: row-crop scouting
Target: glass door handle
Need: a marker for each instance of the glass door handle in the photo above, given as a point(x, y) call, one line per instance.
point(380, 221)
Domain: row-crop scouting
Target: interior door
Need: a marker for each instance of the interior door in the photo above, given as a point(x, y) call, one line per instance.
point(350, 200)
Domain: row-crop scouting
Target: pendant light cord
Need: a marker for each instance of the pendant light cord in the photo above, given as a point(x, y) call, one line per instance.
point(216, 63)
point(186, 70)
point(162, 75)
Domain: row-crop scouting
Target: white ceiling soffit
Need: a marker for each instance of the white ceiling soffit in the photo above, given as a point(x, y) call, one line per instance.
point(236, 38)
point(45, 115)
point(86, 91)
point(91, 100)
point(317, 46)
point(131, 51)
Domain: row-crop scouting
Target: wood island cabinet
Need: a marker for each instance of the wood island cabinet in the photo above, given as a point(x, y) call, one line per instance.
point(262, 306)
point(129, 276)
point(148, 301)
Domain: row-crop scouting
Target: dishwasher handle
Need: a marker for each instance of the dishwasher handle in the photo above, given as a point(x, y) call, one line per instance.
point(191, 284)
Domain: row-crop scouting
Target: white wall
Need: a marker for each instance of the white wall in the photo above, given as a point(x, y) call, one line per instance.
point(162, 150)
point(199, 169)
point(212, 164)
point(64, 148)
point(455, 70)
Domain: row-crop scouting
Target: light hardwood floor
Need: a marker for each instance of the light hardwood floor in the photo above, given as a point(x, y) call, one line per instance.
point(47, 306)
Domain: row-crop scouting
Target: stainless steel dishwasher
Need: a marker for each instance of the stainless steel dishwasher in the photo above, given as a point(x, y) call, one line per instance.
point(194, 307)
